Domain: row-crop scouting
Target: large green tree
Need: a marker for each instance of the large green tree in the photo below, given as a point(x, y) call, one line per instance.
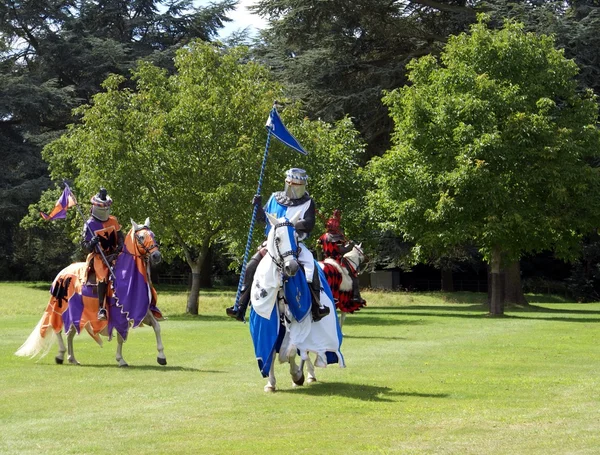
point(53, 56)
point(339, 56)
point(186, 149)
point(492, 145)
point(574, 24)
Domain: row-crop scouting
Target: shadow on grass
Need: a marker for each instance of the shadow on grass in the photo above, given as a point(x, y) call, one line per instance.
point(374, 338)
point(367, 319)
point(358, 392)
point(482, 311)
point(198, 317)
point(165, 368)
point(38, 286)
point(177, 289)
point(551, 318)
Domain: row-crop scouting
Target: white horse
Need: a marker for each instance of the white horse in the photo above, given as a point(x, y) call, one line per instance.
point(340, 281)
point(73, 304)
point(280, 318)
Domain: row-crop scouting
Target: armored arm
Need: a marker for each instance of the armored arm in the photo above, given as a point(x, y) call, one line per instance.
point(120, 241)
point(260, 211)
point(346, 247)
point(305, 226)
point(89, 240)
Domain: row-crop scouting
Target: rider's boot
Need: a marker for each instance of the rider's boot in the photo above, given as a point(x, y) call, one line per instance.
point(102, 288)
point(317, 310)
point(356, 298)
point(240, 312)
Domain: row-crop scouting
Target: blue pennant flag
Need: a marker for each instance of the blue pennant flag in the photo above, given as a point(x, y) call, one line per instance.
point(278, 129)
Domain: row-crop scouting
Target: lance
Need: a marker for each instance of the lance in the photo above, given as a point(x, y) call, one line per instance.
point(253, 221)
point(276, 128)
point(97, 247)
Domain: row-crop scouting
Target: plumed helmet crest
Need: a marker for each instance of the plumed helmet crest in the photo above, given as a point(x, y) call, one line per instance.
point(102, 199)
point(101, 203)
point(334, 222)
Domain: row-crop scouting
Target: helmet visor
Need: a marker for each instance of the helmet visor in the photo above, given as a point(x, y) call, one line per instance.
point(294, 190)
point(102, 213)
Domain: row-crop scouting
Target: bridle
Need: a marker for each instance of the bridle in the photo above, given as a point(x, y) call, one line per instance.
point(147, 250)
point(280, 260)
point(356, 265)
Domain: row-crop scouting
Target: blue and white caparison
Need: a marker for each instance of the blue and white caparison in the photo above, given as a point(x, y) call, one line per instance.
point(280, 321)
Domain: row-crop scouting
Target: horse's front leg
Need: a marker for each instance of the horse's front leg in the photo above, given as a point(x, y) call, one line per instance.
point(311, 371)
point(342, 319)
point(119, 355)
point(272, 382)
point(70, 353)
point(295, 371)
point(161, 358)
point(60, 358)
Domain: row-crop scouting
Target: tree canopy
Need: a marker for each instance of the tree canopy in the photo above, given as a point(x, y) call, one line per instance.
point(492, 145)
point(186, 149)
point(53, 57)
point(338, 56)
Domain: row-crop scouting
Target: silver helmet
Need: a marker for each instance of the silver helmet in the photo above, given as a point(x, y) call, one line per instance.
point(295, 183)
point(101, 203)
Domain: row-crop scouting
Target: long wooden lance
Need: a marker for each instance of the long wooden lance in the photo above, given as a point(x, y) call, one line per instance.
point(252, 221)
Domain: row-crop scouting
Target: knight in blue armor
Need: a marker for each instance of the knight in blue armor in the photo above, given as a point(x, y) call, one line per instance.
point(293, 199)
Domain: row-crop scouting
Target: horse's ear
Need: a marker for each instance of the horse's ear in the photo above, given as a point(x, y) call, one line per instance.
point(134, 225)
point(295, 218)
point(272, 219)
point(359, 245)
point(147, 222)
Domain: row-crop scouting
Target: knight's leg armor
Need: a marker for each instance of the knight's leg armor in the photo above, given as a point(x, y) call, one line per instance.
point(356, 291)
point(102, 289)
point(318, 311)
point(239, 313)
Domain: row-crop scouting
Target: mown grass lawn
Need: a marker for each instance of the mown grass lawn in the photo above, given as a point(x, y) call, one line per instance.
point(426, 374)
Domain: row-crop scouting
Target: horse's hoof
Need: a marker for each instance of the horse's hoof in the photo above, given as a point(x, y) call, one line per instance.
point(300, 380)
point(74, 362)
point(123, 365)
point(311, 380)
point(59, 360)
point(161, 361)
point(270, 388)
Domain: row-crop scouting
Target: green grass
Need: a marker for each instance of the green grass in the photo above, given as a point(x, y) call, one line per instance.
point(426, 374)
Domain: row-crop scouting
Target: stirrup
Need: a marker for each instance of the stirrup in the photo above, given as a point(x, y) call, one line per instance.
point(320, 313)
point(102, 314)
point(235, 314)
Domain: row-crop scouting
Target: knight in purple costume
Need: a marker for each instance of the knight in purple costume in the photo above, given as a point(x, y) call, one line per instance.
point(294, 198)
point(102, 236)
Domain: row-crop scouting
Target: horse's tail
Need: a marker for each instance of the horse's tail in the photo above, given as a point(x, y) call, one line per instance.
point(36, 343)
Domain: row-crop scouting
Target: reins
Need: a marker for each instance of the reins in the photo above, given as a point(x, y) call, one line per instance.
point(279, 262)
point(141, 246)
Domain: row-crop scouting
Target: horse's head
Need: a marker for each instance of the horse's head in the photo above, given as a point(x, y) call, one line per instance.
point(282, 244)
point(141, 242)
point(355, 256)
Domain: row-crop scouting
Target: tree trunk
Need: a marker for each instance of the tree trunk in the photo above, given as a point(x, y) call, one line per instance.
point(497, 298)
point(513, 290)
point(447, 280)
point(194, 295)
point(206, 270)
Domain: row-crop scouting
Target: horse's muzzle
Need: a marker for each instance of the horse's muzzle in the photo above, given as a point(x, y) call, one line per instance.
point(290, 268)
point(155, 257)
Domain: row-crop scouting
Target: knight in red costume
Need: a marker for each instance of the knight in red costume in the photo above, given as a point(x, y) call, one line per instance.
point(102, 235)
point(335, 246)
